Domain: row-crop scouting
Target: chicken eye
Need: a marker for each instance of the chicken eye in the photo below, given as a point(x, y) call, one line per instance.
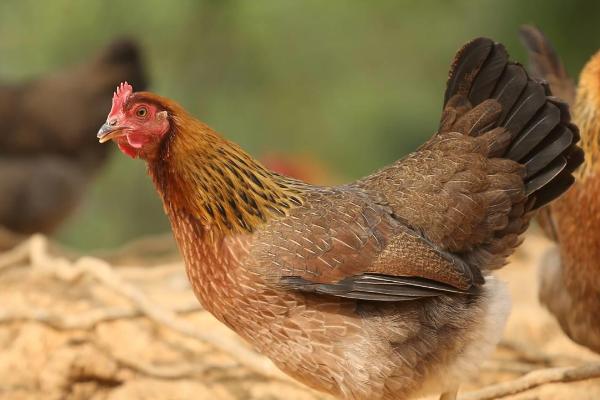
point(141, 112)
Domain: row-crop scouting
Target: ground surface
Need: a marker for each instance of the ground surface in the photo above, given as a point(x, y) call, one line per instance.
point(94, 330)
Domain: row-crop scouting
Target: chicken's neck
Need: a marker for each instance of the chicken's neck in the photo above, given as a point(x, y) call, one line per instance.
point(214, 181)
point(586, 114)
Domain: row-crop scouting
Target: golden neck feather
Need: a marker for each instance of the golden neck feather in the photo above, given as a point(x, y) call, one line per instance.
point(218, 183)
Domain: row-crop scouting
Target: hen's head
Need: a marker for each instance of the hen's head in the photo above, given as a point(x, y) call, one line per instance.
point(137, 122)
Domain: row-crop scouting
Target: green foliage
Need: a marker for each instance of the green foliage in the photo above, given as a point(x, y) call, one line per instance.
point(358, 84)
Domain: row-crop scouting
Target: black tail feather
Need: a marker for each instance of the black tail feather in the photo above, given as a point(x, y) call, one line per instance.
point(489, 75)
point(547, 118)
point(551, 171)
point(543, 138)
point(551, 148)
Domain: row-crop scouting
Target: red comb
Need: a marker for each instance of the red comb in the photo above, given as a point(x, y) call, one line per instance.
point(123, 91)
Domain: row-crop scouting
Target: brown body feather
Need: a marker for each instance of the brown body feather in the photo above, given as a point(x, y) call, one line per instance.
point(378, 289)
point(570, 273)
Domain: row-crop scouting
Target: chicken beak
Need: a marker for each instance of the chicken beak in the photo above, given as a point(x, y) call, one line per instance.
point(108, 132)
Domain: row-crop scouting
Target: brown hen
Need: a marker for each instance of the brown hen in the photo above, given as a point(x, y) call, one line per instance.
point(570, 273)
point(377, 289)
point(47, 150)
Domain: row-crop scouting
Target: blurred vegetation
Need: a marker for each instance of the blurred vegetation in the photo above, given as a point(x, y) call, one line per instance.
point(357, 84)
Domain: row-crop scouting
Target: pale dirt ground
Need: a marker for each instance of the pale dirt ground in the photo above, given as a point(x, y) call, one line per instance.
point(129, 358)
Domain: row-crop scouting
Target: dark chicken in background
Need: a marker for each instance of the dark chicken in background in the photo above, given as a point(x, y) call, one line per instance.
point(377, 289)
point(569, 277)
point(47, 151)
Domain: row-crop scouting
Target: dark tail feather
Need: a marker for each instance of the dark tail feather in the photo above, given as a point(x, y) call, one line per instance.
point(545, 64)
point(542, 137)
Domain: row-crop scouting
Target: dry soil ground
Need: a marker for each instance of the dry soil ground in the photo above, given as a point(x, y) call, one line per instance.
point(130, 329)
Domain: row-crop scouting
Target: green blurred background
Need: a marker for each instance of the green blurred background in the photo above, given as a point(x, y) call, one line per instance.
point(355, 84)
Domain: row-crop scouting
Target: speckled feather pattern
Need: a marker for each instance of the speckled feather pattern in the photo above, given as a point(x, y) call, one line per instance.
point(378, 289)
point(352, 349)
point(457, 196)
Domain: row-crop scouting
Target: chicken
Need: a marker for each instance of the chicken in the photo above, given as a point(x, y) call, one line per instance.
point(570, 274)
point(299, 166)
point(47, 151)
point(377, 289)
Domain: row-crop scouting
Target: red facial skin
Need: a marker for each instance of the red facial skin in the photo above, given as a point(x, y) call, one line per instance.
point(143, 126)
